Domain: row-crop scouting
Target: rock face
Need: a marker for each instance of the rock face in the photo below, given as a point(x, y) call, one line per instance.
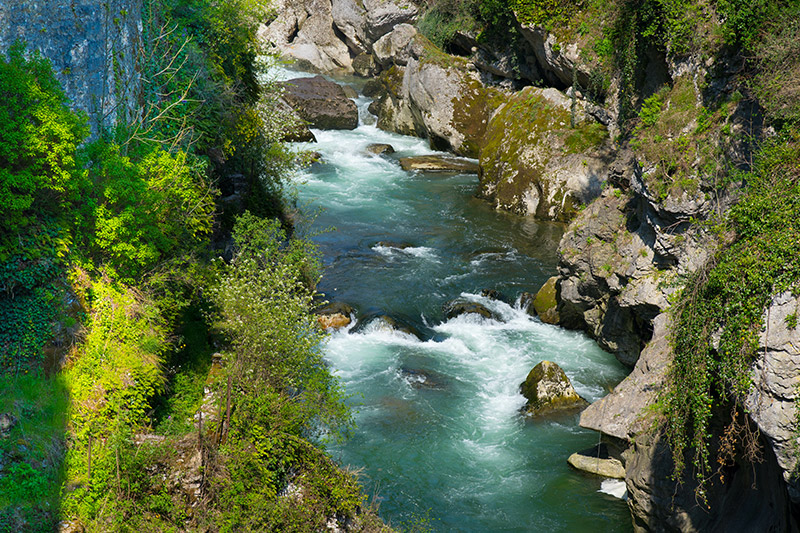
point(772, 402)
point(325, 35)
point(557, 62)
point(438, 163)
point(548, 389)
point(429, 94)
point(304, 32)
point(618, 258)
point(322, 103)
point(93, 46)
point(543, 155)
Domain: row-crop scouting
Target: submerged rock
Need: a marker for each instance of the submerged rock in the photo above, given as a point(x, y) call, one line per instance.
point(322, 103)
point(548, 389)
point(379, 149)
point(492, 294)
point(422, 379)
point(596, 460)
point(438, 163)
point(334, 315)
point(385, 323)
point(455, 308)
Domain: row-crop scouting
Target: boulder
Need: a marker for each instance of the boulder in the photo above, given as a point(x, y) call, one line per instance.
point(438, 163)
point(544, 303)
point(322, 103)
point(548, 389)
point(349, 92)
point(458, 307)
point(492, 294)
point(597, 461)
point(384, 15)
point(364, 66)
point(399, 46)
point(304, 32)
point(380, 149)
point(7, 423)
point(334, 315)
point(385, 323)
point(350, 18)
point(542, 155)
point(436, 96)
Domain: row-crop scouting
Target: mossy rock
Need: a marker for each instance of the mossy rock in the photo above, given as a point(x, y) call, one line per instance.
point(548, 389)
point(541, 156)
point(545, 304)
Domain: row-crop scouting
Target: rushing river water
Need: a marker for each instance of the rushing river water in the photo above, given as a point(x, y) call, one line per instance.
point(455, 450)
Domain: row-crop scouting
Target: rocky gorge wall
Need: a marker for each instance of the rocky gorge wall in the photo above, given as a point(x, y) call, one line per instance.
point(639, 216)
point(93, 46)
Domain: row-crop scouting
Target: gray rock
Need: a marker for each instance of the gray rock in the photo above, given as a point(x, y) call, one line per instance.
point(622, 413)
point(547, 389)
point(398, 47)
point(7, 423)
point(81, 41)
point(439, 163)
point(597, 461)
point(304, 32)
point(459, 307)
point(384, 15)
point(542, 156)
point(364, 66)
point(556, 60)
point(380, 149)
point(349, 17)
point(322, 103)
point(772, 402)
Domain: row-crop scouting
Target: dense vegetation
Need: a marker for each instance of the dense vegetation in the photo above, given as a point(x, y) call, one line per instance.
point(113, 305)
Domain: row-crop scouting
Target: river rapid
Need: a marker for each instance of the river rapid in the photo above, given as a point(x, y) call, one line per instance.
point(453, 449)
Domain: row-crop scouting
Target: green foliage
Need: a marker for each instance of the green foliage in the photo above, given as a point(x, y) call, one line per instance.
point(280, 390)
point(547, 13)
point(777, 58)
point(31, 453)
point(111, 379)
point(38, 138)
point(720, 313)
point(145, 209)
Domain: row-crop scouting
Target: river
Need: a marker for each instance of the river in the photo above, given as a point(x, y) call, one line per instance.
point(455, 452)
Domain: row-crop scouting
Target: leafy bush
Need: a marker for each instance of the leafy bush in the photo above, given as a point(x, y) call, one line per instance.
point(726, 301)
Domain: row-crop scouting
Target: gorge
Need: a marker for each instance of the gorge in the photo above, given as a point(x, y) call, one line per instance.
point(168, 215)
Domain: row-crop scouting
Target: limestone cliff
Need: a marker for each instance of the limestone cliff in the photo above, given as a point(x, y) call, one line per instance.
point(93, 46)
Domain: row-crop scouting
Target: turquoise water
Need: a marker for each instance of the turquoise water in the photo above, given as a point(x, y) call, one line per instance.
point(457, 450)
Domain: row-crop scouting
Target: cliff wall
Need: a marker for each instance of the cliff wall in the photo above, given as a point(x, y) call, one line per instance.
point(93, 45)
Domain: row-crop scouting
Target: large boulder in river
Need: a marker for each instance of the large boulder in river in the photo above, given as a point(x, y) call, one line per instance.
point(322, 103)
point(542, 155)
point(547, 389)
point(545, 304)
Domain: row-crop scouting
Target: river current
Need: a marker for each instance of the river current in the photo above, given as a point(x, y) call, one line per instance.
point(453, 450)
